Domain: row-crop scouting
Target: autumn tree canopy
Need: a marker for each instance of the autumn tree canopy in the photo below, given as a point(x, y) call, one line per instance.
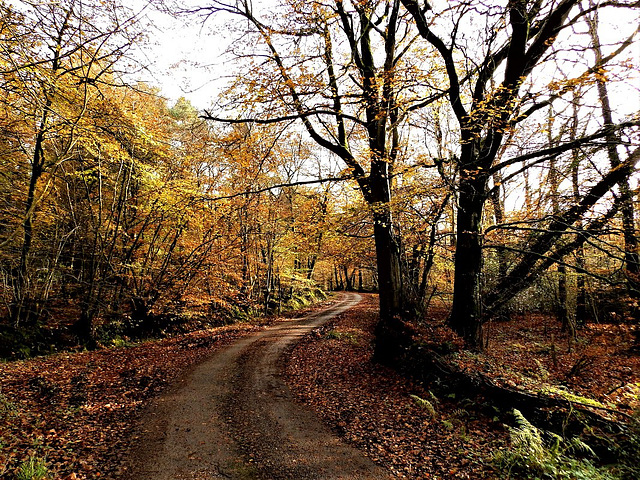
point(452, 154)
point(458, 89)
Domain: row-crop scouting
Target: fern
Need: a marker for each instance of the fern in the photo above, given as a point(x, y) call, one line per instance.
point(426, 404)
point(536, 458)
point(448, 424)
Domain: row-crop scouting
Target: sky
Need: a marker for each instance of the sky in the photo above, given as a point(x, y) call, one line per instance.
point(183, 57)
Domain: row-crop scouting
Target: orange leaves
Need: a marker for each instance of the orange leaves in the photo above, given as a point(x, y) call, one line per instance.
point(587, 78)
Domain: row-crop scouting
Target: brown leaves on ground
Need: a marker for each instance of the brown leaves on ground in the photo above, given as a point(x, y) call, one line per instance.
point(77, 411)
point(419, 435)
point(397, 423)
point(533, 353)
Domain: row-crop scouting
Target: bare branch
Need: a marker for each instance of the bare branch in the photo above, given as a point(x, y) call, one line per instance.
point(565, 147)
point(278, 185)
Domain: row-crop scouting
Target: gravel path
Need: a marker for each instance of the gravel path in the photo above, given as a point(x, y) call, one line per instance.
point(233, 417)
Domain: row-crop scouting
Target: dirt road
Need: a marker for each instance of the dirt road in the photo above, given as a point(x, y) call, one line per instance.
point(233, 417)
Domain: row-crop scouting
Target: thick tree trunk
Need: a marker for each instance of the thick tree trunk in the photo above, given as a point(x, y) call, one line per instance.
point(389, 332)
point(390, 335)
point(467, 310)
point(389, 276)
point(466, 314)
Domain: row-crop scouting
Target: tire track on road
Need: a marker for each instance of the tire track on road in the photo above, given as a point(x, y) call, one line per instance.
point(234, 417)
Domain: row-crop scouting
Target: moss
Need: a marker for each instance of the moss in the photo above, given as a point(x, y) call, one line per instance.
point(571, 397)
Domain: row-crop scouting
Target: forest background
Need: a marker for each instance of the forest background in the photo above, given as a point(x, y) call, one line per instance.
point(487, 176)
point(474, 163)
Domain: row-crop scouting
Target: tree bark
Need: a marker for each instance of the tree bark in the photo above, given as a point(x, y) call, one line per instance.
point(631, 256)
point(467, 311)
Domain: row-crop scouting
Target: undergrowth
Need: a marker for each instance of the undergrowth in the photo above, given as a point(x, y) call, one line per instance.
point(628, 465)
point(125, 330)
point(538, 454)
point(33, 469)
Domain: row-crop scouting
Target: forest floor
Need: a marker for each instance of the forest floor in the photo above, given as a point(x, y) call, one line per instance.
point(379, 410)
point(533, 353)
point(75, 413)
point(376, 408)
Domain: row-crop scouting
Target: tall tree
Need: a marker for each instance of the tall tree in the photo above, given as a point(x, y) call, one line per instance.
point(339, 68)
point(491, 93)
point(614, 142)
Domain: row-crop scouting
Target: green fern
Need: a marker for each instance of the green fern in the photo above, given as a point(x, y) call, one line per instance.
point(426, 404)
point(536, 458)
point(448, 424)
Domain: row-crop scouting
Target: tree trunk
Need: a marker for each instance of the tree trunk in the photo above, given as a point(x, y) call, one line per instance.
point(581, 290)
point(347, 279)
point(22, 274)
point(84, 327)
point(389, 277)
point(631, 257)
point(311, 265)
point(562, 312)
point(498, 213)
point(338, 279)
point(389, 331)
point(37, 169)
point(467, 312)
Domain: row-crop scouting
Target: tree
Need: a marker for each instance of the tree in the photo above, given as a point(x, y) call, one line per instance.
point(56, 58)
point(340, 69)
point(491, 94)
point(632, 260)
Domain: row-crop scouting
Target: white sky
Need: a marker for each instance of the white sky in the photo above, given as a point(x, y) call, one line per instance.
point(183, 58)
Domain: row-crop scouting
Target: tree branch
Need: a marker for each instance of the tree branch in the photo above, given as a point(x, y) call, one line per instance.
point(553, 151)
point(278, 185)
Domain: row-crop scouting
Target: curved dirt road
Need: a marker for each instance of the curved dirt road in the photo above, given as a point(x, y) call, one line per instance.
point(233, 417)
